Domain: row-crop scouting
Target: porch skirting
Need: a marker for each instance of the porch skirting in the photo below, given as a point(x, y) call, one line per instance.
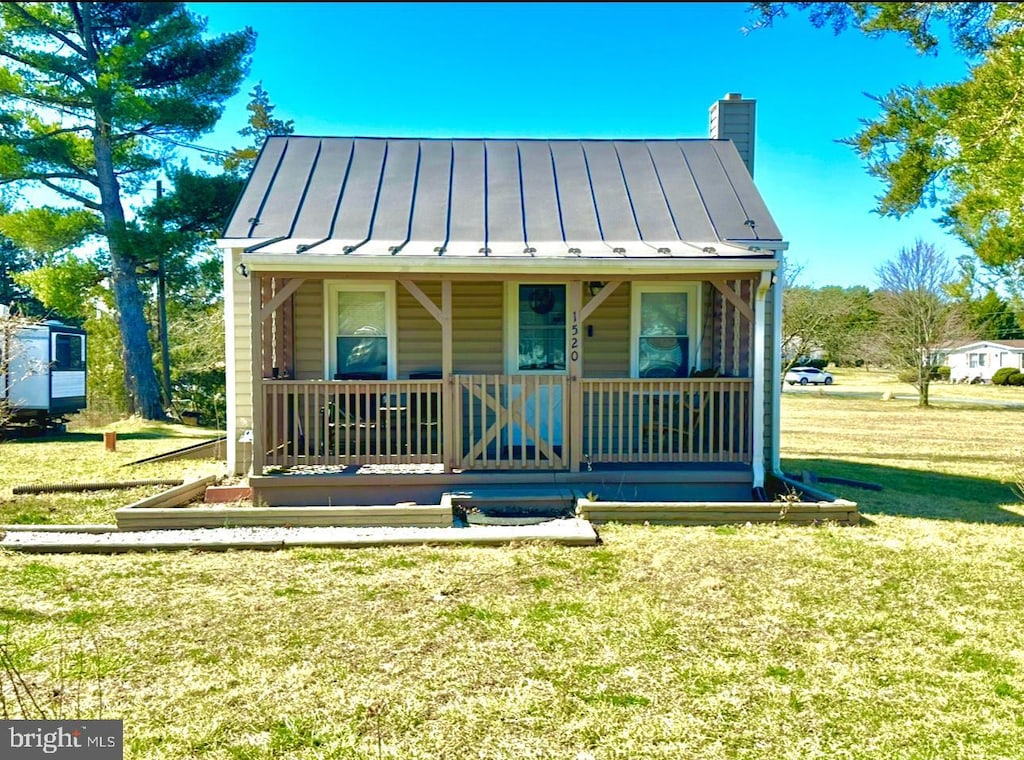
point(355, 486)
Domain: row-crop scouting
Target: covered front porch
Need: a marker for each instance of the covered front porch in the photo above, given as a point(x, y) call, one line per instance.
point(389, 375)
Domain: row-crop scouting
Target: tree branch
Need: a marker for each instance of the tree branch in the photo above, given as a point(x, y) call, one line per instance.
point(90, 204)
point(62, 175)
point(55, 33)
point(18, 59)
point(54, 133)
point(85, 32)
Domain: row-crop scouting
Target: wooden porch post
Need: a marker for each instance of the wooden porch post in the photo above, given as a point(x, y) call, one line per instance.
point(574, 441)
point(448, 421)
point(256, 370)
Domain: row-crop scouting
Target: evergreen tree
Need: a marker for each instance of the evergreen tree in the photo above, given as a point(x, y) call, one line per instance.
point(94, 96)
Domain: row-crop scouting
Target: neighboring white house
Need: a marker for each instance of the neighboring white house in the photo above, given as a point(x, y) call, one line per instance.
point(980, 359)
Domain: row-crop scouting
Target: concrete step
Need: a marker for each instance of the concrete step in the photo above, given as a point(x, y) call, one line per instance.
point(511, 502)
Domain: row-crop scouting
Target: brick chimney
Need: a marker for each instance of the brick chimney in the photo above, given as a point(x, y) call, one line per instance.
point(732, 118)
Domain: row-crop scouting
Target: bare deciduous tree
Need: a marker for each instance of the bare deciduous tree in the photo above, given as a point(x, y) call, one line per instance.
point(917, 317)
point(10, 352)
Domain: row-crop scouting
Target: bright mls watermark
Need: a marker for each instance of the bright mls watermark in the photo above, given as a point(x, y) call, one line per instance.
point(78, 739)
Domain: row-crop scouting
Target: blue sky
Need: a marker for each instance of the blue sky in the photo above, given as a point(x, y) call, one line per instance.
point(604, 70)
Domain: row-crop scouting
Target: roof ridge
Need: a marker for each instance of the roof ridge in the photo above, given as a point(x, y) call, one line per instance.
point(498, 139)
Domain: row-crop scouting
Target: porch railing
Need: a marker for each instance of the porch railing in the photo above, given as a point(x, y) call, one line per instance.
point(508, 422)
point(502, 422)
point(666, 420)
point(352, 422)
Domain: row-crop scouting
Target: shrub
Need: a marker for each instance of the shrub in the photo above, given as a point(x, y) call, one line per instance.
point(908, 375)
point(1001, 376)
point(816, 363)
point(941, 373)
point(1017, 378)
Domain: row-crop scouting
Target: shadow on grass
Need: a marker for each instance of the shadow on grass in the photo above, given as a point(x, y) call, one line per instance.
point(912, 493)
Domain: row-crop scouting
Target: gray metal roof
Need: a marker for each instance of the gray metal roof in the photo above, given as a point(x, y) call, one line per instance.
point(515, 198)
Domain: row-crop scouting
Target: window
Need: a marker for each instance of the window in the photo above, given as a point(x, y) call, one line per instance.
point(360, 331)
point(537, 334)
point(662, 333)
point(68, 352)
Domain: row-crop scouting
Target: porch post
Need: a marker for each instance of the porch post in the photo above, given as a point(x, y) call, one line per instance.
point(448, 420)
point(256, 371)
point(758, 368)
point(574, 441)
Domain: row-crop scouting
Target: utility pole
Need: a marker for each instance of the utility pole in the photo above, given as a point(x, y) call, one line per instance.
point(161, 296)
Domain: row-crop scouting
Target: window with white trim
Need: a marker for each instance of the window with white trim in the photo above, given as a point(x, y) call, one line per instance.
point(663, 329)
point(360, 330)
point(537, 335)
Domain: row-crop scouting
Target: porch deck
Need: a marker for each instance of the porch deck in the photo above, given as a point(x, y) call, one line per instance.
point(358, 485)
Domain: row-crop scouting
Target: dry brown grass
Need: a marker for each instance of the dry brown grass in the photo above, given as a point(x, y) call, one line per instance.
point(900, 638)
point(80, 456)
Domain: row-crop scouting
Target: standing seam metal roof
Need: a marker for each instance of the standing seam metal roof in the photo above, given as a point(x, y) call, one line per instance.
point(493, 197)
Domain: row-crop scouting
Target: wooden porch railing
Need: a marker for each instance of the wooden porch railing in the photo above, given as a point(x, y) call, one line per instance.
point(352, 422)
point(512, 422)
point(666, 420)
point(503, 422)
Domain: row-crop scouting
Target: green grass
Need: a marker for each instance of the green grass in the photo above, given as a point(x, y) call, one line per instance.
point(901, 638)
point(80, 456)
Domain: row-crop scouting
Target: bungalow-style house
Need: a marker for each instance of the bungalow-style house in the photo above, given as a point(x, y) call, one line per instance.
point(978, 361)
point(414, 314)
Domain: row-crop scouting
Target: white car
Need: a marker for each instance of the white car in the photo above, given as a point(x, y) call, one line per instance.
point(805, 375)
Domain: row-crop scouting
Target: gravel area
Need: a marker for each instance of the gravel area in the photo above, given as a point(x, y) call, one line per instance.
point(572, 531)
point(365, 469)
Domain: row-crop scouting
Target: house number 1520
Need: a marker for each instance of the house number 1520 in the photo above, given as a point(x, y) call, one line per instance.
point(574, 352)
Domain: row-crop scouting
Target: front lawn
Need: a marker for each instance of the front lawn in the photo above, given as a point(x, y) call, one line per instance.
point(901, 638)
point(79, 456)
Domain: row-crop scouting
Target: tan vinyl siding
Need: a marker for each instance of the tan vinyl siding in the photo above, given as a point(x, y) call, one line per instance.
point(477, 332)
point(708, 317)
point(419, 334)
point(606, 352)
point(309, 330)
point(239, 377)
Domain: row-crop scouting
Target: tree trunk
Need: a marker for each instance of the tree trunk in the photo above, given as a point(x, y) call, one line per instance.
point(139, 375)
point(923, 380)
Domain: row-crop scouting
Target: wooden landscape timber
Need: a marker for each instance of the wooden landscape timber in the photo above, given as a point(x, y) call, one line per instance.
point(718, 513)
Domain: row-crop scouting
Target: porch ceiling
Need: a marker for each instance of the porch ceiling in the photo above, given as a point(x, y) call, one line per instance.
point(511, 199)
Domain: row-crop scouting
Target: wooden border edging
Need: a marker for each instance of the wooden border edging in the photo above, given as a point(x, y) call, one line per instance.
point(192, 451)
point(717, 513)
point(172, 497)
point(85, 528)
point(419, 516)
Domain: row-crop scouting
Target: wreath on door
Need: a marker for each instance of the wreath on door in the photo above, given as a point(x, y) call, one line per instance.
point(542, 300)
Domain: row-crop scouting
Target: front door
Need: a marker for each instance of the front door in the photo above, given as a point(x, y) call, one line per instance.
point(536, 345)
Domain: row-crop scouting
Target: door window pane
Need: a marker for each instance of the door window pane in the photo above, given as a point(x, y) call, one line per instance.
point(664, 348)
point(542, 328)
point(67, 352)
point(361, 336)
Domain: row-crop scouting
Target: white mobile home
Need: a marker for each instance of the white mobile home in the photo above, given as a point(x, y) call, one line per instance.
point(42, 371)
point(979, 360)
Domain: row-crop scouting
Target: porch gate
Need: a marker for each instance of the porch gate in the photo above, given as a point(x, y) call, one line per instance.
point(507, 422)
